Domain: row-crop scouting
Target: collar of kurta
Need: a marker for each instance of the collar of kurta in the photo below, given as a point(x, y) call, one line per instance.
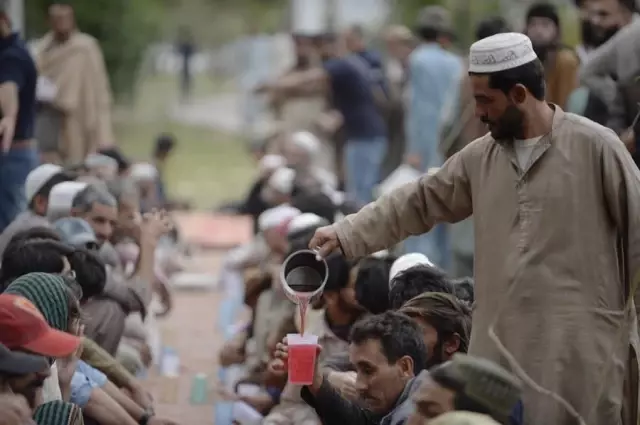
point(541, 147)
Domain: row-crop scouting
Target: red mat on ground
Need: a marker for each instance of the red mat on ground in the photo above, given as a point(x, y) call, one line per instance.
point(213, 231)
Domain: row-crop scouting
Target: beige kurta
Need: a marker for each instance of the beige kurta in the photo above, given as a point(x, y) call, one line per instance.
point(556, 247)
point(77, 69)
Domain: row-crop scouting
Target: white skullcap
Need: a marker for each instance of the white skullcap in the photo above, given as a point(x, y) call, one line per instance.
point(62, 195)
point(39, 177)
point(406, 262)
point(271, 162)
point(463, 418)
point(95, 160)
point(276, 216)
point(307, 141)
point(282, 180)
point(143, 171)
point(381, 254)
point(305, 221)
point(500, 52)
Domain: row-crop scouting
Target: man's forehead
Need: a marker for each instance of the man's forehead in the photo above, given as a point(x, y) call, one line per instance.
point(367, 351)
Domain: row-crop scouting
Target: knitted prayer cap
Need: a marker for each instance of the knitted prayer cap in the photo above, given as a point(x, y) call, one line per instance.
point(483, 381)
point(463, 418)
point(57, 413)
point(49, 293)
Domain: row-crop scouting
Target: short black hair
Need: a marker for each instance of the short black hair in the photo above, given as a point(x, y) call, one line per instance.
point(90, 270)
point(317, 203)
point(415, 281)
point(428, 33)
point(164, 144)
point(530, 75)
point(32, 255)
point(46, 188)
point(630, 5)
point(372, 284)
point(120, 158)
point(338, 272)
point(463, 288)
point(491, 26)
point(398, 335)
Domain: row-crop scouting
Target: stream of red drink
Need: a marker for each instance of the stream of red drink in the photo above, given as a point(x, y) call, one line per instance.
point(303, 305)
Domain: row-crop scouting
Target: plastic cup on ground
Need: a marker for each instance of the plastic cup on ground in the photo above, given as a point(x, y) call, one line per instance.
point(302, 358)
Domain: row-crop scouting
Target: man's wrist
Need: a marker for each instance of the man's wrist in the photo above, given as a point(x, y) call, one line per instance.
point(318, 380)
point(145, 418)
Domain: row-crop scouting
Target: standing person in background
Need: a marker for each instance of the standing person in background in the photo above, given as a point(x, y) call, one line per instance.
point(352, 92)
point(400, 42)
point(186, 49)
point(164, 147)
point(466, 128)
point(587, 36)
point(18, 154)
point(434, 80)
point(560, 62)
point(72, 66)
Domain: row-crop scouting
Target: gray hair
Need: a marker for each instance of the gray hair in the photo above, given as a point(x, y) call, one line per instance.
point(123, 188)
point(93, 194)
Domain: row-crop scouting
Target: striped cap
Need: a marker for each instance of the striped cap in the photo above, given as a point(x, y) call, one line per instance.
point(56, 413)
point(49, 293)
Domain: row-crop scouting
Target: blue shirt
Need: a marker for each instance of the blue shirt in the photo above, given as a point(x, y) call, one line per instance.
point(434, 81)
point(84, 380)
point(353, 98)
point(17, 66)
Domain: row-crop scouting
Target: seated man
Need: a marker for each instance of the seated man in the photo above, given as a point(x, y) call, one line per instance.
point(416, 280)
point(37, 187)
point(388, 352)
point(470, 384)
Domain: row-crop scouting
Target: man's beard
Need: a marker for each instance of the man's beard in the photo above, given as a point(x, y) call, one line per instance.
point(587, 34)
point(437, 357)
point(603, 35)
point(508, 127)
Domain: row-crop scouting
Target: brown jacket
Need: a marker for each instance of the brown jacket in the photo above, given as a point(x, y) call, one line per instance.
point(561, 70)
point(557, 257)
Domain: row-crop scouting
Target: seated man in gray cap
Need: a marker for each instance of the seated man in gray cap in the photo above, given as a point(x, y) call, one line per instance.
point(77, 233)
point(469, 384)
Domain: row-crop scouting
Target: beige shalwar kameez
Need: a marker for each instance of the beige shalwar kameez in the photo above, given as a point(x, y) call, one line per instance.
point(557, 246)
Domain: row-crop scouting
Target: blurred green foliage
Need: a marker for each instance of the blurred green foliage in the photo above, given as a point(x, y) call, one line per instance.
point(124, 29)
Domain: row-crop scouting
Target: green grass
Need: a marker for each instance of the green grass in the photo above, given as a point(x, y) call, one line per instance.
point(208, 167)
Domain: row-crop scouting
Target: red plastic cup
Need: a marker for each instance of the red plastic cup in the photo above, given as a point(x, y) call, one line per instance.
point(302, 358)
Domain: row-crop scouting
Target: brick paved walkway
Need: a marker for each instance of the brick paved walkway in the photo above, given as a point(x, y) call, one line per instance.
point(191, 327)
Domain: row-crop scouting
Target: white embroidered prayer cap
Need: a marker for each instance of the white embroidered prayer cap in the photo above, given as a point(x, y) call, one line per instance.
point(277, 216)
point(407, 261)
point(143, 172)
point(282, 180)
point(61, 198)
point(305, 221)
point(39, 177)
point(500, 52)
point(271, 162)
point(306, 141)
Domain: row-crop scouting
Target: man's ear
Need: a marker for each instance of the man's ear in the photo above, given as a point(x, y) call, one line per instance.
point(518, 94)
point(452, 344)
point(406, 366)
point(74, 212)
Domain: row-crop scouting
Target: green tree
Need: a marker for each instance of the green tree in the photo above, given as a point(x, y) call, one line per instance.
point(123, 28)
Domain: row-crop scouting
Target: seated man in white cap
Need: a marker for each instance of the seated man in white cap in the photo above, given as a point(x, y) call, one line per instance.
point(302, 152)
point(271, 304)
point(37, 187)
point(62, 198)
